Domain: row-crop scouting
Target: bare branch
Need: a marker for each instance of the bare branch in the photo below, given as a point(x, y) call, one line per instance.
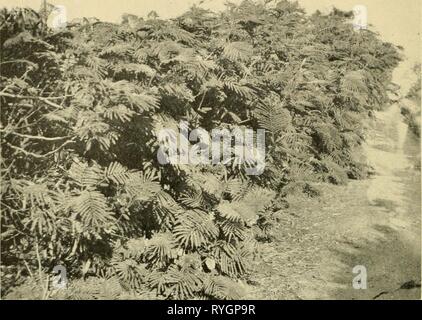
point(40, 156)
point(34, 137)
point(45, 100)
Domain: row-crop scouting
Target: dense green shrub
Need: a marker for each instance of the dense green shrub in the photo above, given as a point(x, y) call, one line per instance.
point(81, 108)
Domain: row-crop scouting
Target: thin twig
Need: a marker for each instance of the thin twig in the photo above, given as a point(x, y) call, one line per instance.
point(34, 137)
point(27, 268)
point(39, 156)
point(37, 252)
point(46, 292)
point(45, 100)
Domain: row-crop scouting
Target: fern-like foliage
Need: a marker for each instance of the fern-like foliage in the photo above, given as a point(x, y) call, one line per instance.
point(82, 116)
point(222, 288)
point(176, 283)
point(273, 117)
point(195, 228)
point(235, 51)
point(92, 209)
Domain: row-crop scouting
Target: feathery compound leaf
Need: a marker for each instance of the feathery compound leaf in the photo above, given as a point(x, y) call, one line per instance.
point(236, 188)
point(117, 173)
point(144, 69)
point(121, 49)
point(130, 272)
point(34, 194)
point(230, 259)
point(119, 112)
point(98, 65)
point(142, 186)
point(193, 199)
point(180, 91)
point(93, 288)
point(231, 211)
point(207, 182)
point(167, 209)
point(92, 208)
point(178, 283)
point(195, 228)
point(134, 248)
point(273, 117)
point(160, 250)
point(143, 102)
point(223, 288)
point(258, 198)
point(240, 90)
point(84, 174)
point(233, 229)
point(238, 50)
point(248, 208)
point(353, 85)
point(131, 95)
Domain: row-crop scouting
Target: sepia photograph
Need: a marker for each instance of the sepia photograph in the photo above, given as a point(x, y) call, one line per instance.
point(180, 150)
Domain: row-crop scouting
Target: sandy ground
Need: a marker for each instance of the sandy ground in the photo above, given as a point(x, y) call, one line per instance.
point(375, 223)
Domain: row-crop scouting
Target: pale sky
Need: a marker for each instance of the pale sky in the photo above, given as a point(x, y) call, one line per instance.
point(398, 21)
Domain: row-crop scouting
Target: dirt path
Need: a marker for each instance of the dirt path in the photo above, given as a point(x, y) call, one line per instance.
point(375, 223)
